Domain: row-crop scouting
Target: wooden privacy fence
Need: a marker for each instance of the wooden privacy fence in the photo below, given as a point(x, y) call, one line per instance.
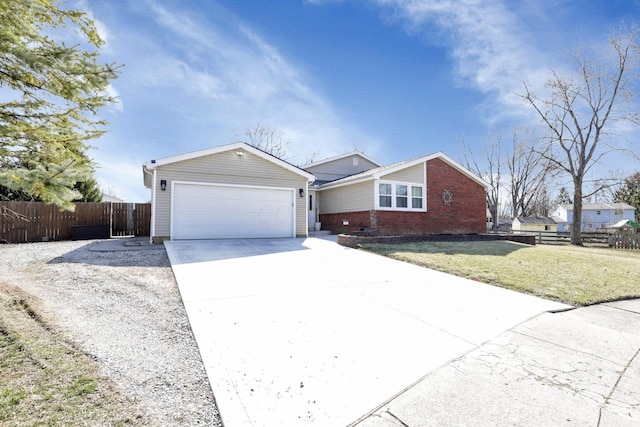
point(625, 239)
point(619, 239)
point(22, 222)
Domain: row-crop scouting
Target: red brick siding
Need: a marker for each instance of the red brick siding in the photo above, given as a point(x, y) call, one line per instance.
point(466, 214)
point(357, 221)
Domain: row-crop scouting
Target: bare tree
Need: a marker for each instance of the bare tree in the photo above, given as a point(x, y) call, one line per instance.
point(269, 140)
point(541, 203)
point(359, 147)
point(528, 172)
point(310, 158)
point(602, 190)
point(490, 172)
point(579, 112)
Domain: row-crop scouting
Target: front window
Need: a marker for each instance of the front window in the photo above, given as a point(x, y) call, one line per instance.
point(416, 197)
point(385, 195)
point(401, 196)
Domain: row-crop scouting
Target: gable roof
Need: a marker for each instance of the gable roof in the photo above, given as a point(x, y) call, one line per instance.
point(625, 223)
point(341, 156)
point(597, 206)
point(394, 167)
point(540, 220)
point(240, 146)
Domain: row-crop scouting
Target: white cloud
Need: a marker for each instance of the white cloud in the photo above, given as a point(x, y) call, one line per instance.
point(113, 93)
point(494, 52)
point(120, 175)
point(101, 28)
point(242, 80)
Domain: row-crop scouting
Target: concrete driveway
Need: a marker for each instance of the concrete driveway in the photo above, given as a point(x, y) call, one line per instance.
point(306, 332)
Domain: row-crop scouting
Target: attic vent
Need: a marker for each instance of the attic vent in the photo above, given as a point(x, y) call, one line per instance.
point(355, 161)
point(618, 212)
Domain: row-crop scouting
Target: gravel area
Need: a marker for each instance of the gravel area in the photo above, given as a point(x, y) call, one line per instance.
point(118, 300)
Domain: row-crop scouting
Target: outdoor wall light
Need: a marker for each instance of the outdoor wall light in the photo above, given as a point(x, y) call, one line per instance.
point(163, 184)
point(240, 153)
point(301, 192)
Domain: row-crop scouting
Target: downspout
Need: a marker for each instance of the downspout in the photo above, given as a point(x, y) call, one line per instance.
point(153, 208)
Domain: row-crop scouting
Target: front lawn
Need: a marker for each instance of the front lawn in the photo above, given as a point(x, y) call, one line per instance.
point(574, 275)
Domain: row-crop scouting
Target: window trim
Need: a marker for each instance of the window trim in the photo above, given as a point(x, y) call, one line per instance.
point(394, 196)
point(379, 195)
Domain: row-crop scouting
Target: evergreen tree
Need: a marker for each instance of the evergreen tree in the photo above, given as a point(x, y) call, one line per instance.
point(53, 91)
point(630, 193)
point(89, 190)
point(563, 197)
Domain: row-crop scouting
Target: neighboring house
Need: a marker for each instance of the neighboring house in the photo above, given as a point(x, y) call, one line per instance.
point(239, 191)
point(534, 223)
point(504, 222)
point(595, 216)
point(111, 198)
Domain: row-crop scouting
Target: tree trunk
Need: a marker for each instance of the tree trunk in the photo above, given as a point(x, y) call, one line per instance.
point(576, 225)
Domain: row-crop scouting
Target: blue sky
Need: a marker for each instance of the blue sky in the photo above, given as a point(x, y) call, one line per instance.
point(397, 79)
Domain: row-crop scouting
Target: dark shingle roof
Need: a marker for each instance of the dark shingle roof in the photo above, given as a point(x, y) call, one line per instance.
point(535, 220)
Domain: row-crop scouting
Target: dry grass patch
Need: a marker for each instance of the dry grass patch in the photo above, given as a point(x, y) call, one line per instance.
point(45, 380)
point(574, 275)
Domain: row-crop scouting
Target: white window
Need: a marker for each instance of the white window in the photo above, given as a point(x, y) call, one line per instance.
point(401, 196)
point(385, 195)
point(416, 197)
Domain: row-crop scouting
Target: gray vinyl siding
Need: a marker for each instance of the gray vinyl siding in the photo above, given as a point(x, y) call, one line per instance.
point(414, 174)
point(340, 168)
point(348, 198)
point(227, 168)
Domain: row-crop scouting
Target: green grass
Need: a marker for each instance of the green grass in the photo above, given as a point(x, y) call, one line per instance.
point(45, 380)
point(574, 275)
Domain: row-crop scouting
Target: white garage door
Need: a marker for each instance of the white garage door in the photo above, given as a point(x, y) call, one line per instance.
point(223, 212)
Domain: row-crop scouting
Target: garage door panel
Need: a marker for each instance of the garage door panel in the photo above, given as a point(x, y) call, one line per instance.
point(210, 212)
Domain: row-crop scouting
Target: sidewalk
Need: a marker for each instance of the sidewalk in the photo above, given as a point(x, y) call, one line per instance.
point(577, 368)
